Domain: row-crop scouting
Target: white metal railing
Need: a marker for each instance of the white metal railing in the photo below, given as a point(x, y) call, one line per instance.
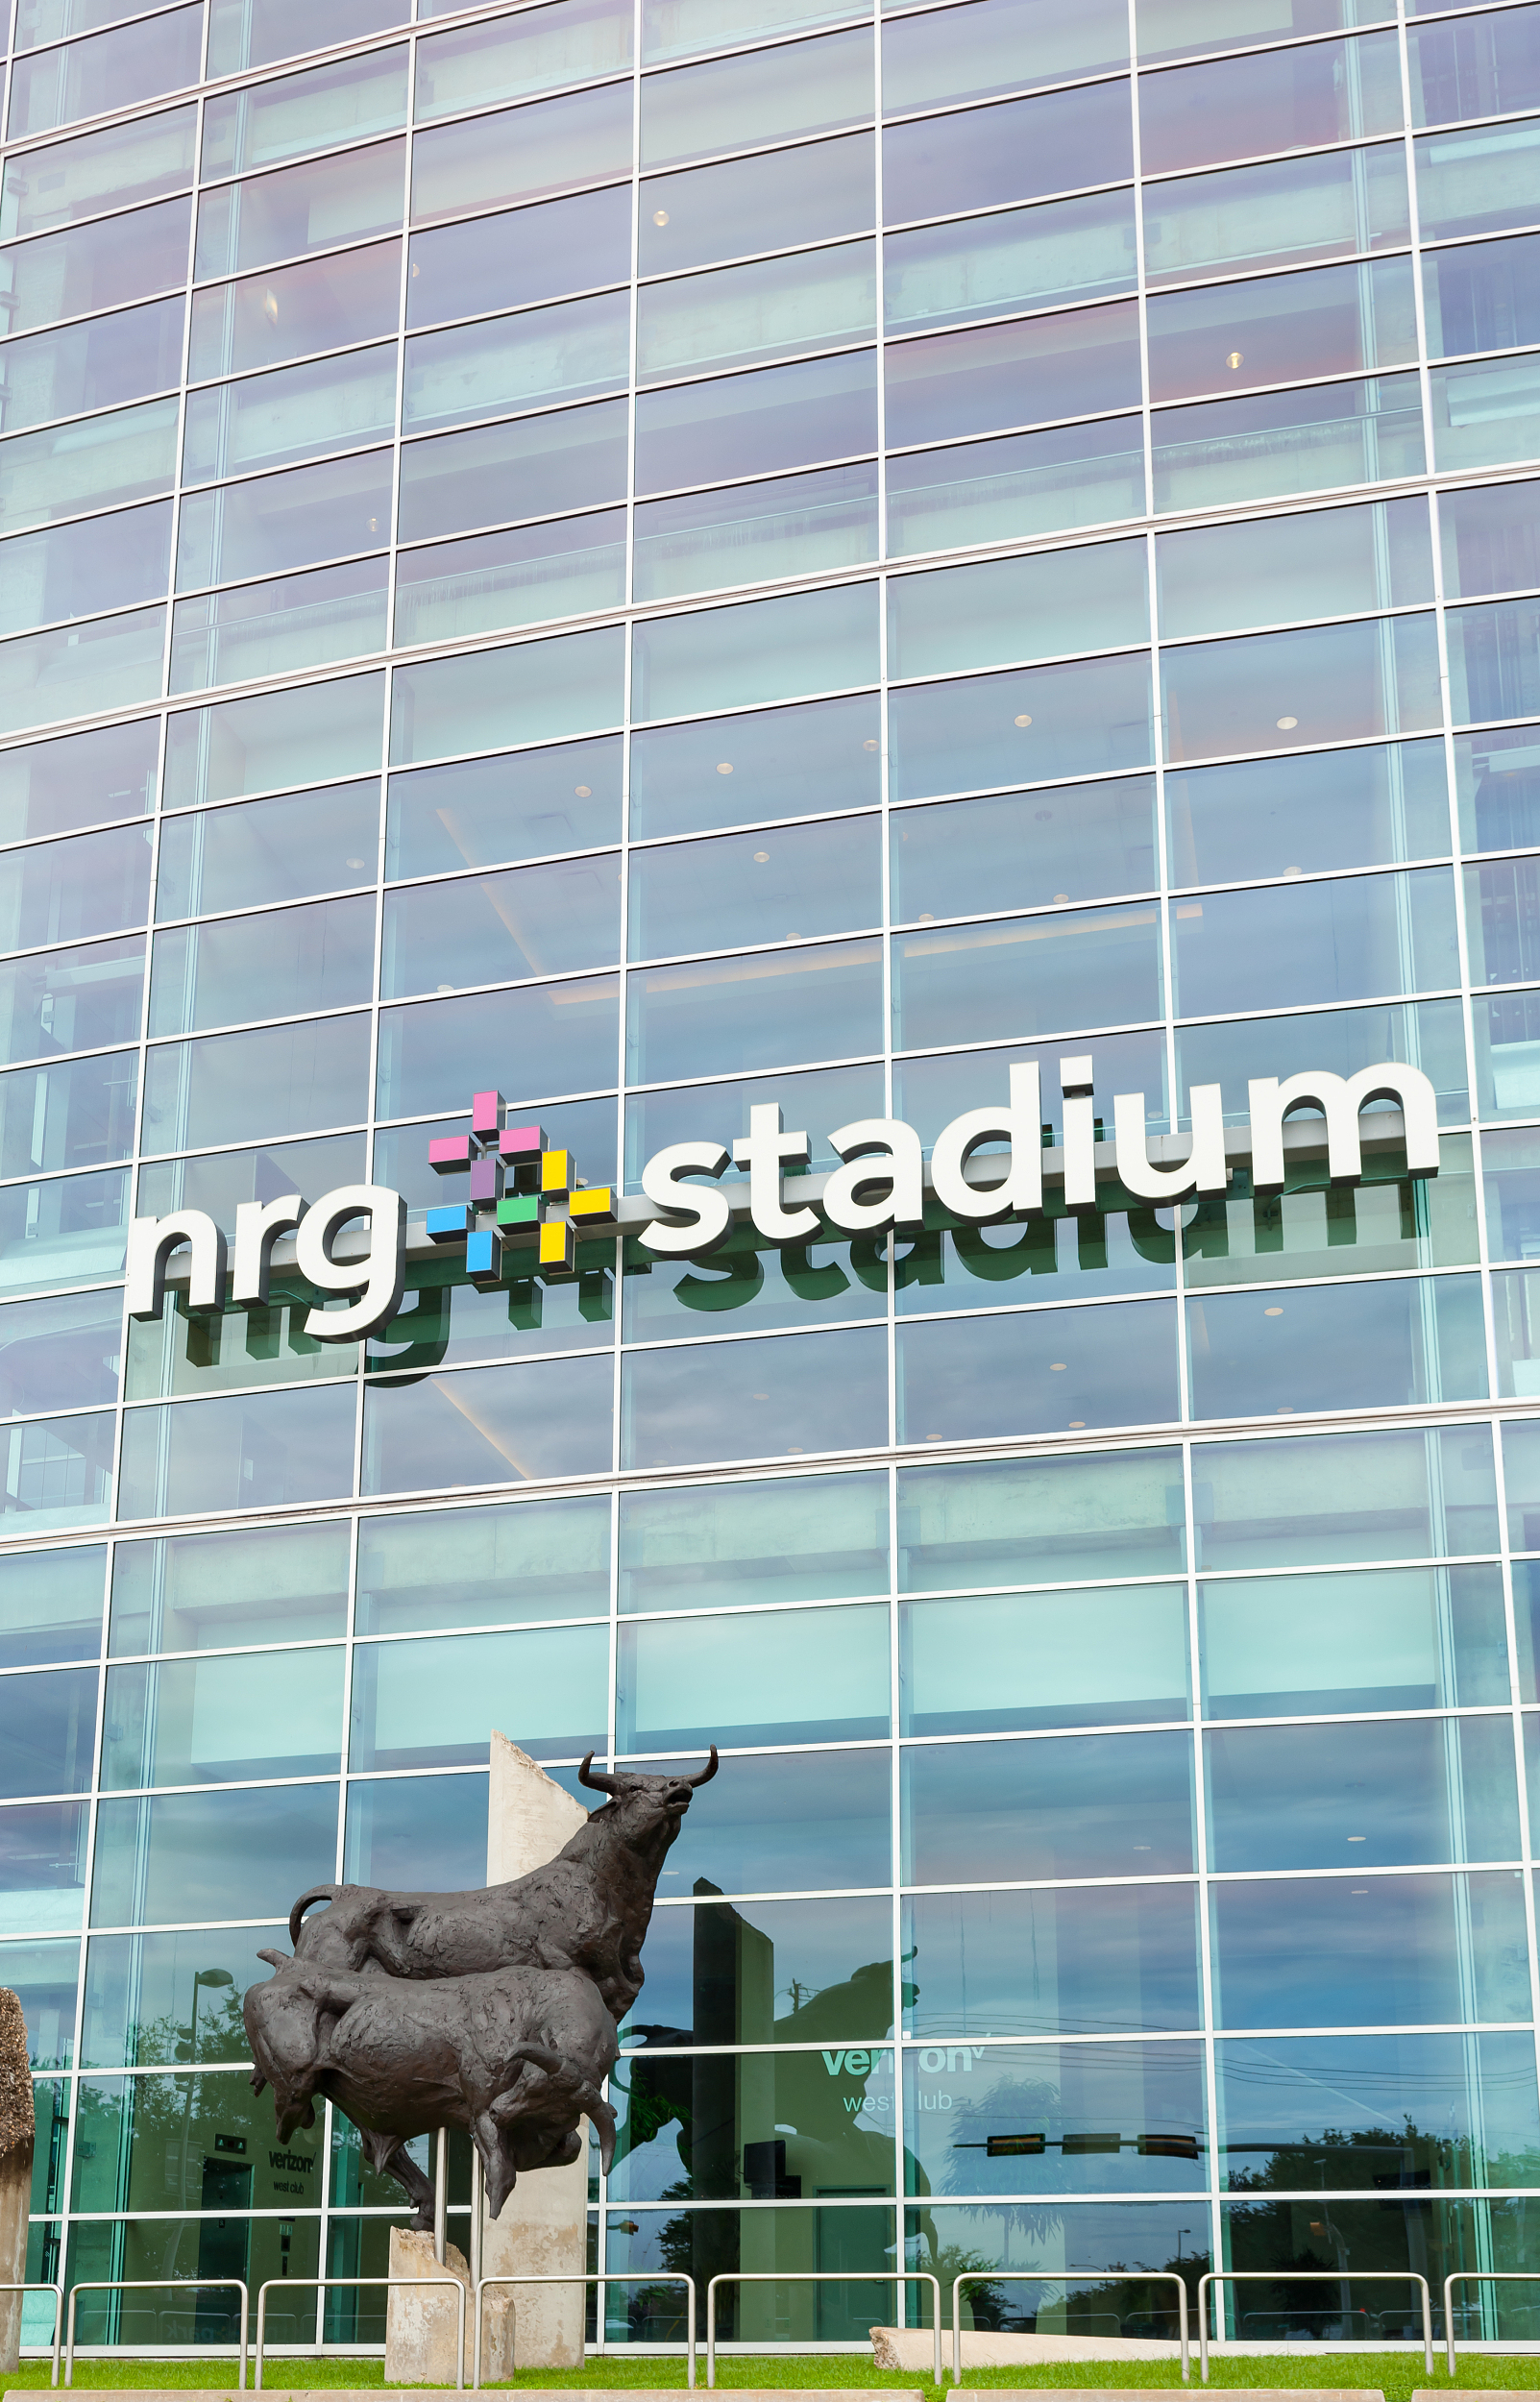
point(820, 2276)
point(1117, 2276)
point(159, 2285)
point(600, 2277)
point(36, 2285)
point(1476, 2276)
point(1309, 2276)
point(417, 2285)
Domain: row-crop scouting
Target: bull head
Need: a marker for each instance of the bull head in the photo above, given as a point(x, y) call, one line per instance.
point(615, 1786)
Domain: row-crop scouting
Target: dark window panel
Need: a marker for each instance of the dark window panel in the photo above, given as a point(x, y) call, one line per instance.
point(1037, 1371)
point(771, 1397)
point(1078, 1805)
point(235, 1086)
point(1014, 151)
point(435, 1053)
point(773, 417)
point(318, 957)
point(530, 1421)
point(1337, 1347)
point(947, 386)
point(47, 1732)
point(771, 202)
point(51, 1606)
point(785, 1824)
point(760, 1009)
point(1488, 66)
point(528, 921)
point(749, 888)
point(1364, 1793)
point(1116, 1958)
point(1273, 100)
point(1325, 1951)
point(206, 1856)
point(1149, 2099)
point(268, 850)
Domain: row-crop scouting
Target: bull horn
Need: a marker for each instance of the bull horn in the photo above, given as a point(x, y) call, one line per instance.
point(597, 1784)
point(708, 1772)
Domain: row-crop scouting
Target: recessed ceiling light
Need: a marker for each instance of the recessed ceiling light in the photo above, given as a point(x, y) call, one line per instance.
point(1234, 358)
point(1024, 720)
point(660, 216)
point(870, 743)
point(1274, 1312)
point(1058, 1365)
point(724, 767)
point(584, 792)
point(1286, 725)
point(760, 857)
point(1061, 896)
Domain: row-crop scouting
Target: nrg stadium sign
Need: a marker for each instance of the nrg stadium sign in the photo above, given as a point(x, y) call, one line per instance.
point(524, 1194)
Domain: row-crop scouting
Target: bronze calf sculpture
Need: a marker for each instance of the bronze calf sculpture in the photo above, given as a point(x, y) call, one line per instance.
point(493, 2010)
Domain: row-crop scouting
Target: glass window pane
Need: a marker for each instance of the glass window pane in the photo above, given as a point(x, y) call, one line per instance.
point(1092, 598)
point(771, 1397)
point(1026, 976)
point(1266, 691)
point(754, 1283)
point(210, 1720)
point(784, 1825)
point(203, 1592)
point(248, 33)
point(960, 1379)
point(1322, 1952)
point(1303, 441)
point(97, 266)
point(96, 172)
point(268, 850)
point(506, 261)
point(434, 1703)
point(1028, 483)
point(241, 746)
point(99, 364)
point(434, 1053)
point(132, 62)
point(996, 45)
point(1123, 1956)
point(488, 809)
point(770, 202)
point(110, 460)
point(714, 1976)
point(1392, 1638)
point(316, 306)
point(47, 1732)
point(1014, 151)
point(548, 1420)
point(517, 154)
point(285, 1081)
point(1362, 1346)
point(73, 1001)
point(791, 1539)
point(1326, 321)
point(774, 417)
point(1054, 1809)
point(537, 692)
point(1377, 2093)
point(811, 1098)
point(1477, 185)
point(112, 662)
point(69, 888)
point(516, 362)
point(782, 763)
point(218, 1182)
point(284, 521)
point(406, 1829)
point(307, 112)
point(517, 56)
point(1033, 1522)
point(749, 1684)
point(42, 1977)
point(518, 578)
point(1365, 1793)
point(1237, 107)
point(267, 1450)
point(1036, 725)
point(1014, 2098)
point(1339, 939)
point(1113, 1653)
point(930, 1091)
point(43, 1862)
point(737, 315)
point(69, 1231)
point(1509, 1161)
point(723, 1016)
point(209, 1855)
point(1494, 659)
point(748, 888)
point(947, 386)
point(445, 1322)
point(1070, 843)
point(575, 458)
point(290, 414)
point(60, 1354)
point(662, 2111)
point(1297, 1501)
point(1486, 67)
point(549, 1560)
point(139, 1985)
point(1289, 209)
point(312, 206)
point(529, 922)
point(1278, 817)
point(1066, 249)
point(1321, 563)
point(761, 96)
point(51, 786)
point(51, 1606)
point(242, 968)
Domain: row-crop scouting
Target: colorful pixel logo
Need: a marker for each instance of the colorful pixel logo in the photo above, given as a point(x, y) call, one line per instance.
point(516, 1181)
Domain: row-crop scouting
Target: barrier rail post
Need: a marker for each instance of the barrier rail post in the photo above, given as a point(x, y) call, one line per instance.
point(1310, 2276)
point(36, 2285)
point(320, 2285)
point(991, 2276)
point(159, 2285)
point(1476, 2276)
point(820, 2276)
point(601, 2277)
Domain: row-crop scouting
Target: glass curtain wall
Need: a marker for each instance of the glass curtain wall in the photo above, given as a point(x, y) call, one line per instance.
point(665, 557)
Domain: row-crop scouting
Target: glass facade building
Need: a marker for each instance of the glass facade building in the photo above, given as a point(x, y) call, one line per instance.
point(669, 554)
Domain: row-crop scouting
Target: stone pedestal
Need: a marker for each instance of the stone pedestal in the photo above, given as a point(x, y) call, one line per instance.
point(544, 2227)
point(16, 2134)
point(422, 2330)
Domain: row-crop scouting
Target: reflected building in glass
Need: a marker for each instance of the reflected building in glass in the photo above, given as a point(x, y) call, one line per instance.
point(666, 556)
